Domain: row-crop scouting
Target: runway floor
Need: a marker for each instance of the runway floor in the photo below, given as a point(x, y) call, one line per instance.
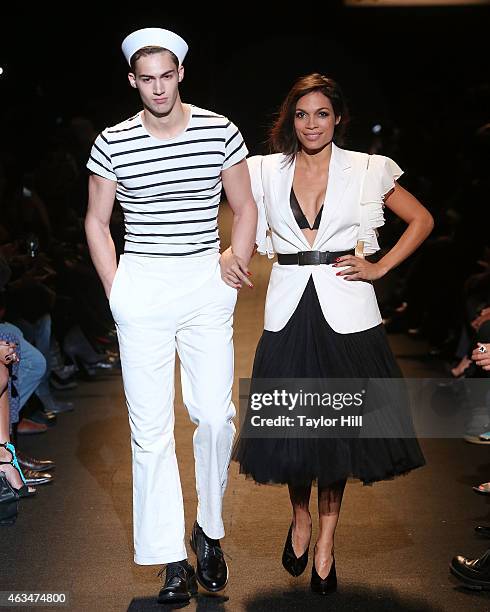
point(393, 544)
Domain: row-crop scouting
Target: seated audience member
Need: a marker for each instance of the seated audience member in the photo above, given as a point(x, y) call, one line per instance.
point(476, 572)
point(8, 458)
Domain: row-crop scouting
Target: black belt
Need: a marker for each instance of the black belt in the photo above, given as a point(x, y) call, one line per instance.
point(310, 258)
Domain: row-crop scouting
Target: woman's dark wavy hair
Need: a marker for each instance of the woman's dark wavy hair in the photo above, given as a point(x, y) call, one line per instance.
point(282, 136)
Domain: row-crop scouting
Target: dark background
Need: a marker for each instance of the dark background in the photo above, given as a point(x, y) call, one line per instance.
point(420, 73)
point(420, 69)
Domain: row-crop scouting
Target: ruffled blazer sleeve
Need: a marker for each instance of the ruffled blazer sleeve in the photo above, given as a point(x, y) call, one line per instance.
point(263, 238)
point(381, 174)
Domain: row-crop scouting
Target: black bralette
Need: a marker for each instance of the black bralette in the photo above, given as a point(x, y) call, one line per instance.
point(299, 215)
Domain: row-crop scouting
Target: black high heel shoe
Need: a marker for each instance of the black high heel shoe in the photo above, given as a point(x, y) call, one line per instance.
point(324, 585)
point(291, 563)
point(8, 501)
point(24, 490)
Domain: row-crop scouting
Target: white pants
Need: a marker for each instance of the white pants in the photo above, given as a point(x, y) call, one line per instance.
point(160, 304)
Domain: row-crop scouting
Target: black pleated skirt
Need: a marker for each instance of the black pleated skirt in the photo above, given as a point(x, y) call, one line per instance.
point(307, 347)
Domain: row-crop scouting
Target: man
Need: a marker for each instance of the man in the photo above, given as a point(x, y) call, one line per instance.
point(166, 166)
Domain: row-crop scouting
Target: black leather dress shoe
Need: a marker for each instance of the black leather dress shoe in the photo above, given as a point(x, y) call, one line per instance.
point(58, 407)
point(180, 583)
point(475, 573)
point(324, 585)
point(44, 417)
point(35, 465)
point(483, 531)
point(37, 478)
point(291, 563)
point(212, 571)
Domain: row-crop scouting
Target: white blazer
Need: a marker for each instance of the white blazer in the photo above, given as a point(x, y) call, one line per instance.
point(353, 209)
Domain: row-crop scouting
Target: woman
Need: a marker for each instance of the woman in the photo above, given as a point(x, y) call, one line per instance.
point(10, 470)
point(319, 207)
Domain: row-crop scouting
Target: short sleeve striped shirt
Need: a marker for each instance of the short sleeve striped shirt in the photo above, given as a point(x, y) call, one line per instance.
point(170, 189)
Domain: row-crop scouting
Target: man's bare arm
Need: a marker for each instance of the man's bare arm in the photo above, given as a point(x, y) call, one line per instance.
point(235, 260)
point(101, 194)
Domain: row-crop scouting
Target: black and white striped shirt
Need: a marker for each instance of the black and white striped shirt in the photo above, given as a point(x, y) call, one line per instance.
point(169, 189)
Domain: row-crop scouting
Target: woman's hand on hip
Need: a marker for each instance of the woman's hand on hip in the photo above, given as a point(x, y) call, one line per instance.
point(358, 268)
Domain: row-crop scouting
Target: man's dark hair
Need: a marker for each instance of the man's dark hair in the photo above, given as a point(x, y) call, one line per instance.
point(282, 135)
point(144, 51)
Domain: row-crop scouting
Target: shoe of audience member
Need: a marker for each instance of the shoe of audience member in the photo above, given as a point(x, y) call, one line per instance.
point(37, 478)
point(62, 384)
point(35, 465)
point(8, 501)
point(483, 488)
point(58, 407)
point(10, 465)
point(477, 423)
point(474, 573)
point(28, 427)
point(476, 439)
point(482, 530)
point(91, 370)
point(65, 371)
point(78, 349)
point(109, 338)
point(45, 417)
point(108, 363)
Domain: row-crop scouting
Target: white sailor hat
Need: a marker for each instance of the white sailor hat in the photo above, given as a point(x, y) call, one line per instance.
point(154, 37)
